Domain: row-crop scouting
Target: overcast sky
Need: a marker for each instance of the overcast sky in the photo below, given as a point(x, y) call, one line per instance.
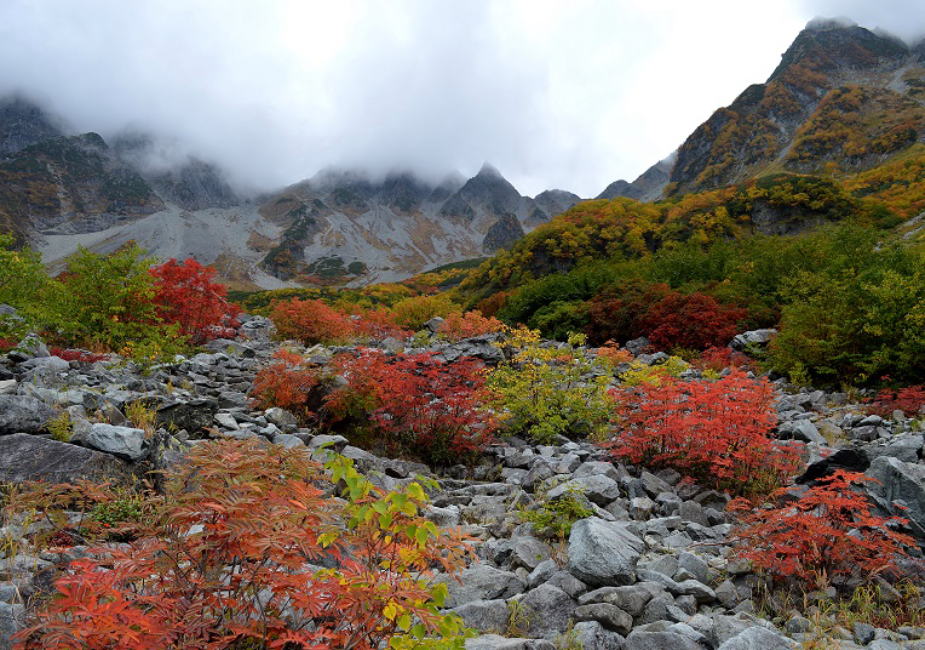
point(570, 94)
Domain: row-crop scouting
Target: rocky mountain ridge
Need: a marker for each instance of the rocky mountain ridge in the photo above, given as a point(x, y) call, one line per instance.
point(842, 98)
point(339, 227)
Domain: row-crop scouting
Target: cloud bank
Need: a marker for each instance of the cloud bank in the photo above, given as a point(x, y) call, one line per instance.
point(570, 95)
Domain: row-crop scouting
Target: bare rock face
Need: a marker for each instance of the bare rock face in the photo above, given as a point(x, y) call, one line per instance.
point(786, 118)
point(22, 124)
point(22, 414)
point(603, 553)
point(502, 234)
point(24, 457)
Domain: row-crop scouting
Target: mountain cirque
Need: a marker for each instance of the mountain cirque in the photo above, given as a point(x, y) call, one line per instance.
point(340, 227)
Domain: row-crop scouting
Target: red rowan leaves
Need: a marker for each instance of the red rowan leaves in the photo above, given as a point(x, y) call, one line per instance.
point(716, 432)
point(186, 294)
point(828, 530)
point(235, 558)
point(286, 383)
point(419, 403)
point(909, 400)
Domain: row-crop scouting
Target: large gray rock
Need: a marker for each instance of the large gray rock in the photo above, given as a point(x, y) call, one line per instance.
point(752, 337)
point(495, 642)
point(484, 615)
point(900, 490)
point(603, 553)
point(12, 619)
point(22, 414)
point(481, 582)
point(592, 636)
point(598, 488)
point(610, 616)
point(33, 458)
point(549, 610)
point(758, 638)
point(660, 641)
point(124, 442)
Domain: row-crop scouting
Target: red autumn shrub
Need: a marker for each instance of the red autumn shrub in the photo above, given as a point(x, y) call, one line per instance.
point(718, 359)
point(76, 354)
point(186, 294)
point(286, 383)
point(311, 322)
point(718, 432)
point(457, 326)
point(826, 531)
point(618, 315)
point(7, 344)
point(416, 403)
point(692, 322)
point(910, 400)
point(377, 325)
point(248, 551)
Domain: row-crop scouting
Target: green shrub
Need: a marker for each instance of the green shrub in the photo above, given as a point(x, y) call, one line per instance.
point(554, 517)
point(857, 324)
point(541, 392)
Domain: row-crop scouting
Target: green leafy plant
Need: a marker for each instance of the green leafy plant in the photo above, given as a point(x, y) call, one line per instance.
point(61, 427)
point(555, 517)
point(542, 391)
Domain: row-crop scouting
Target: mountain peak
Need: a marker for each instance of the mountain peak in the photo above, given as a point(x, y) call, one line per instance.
point(826, 44)
point(489, 170)
point(23, 123)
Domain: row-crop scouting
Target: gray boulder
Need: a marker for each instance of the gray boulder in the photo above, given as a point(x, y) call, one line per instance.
point(33, 458)
point(22, 414)
point(592, 636)
point(900, 484)
point(31, 347)
point(12, 619)
point(598, 488)
point(609, 616)
point(484, 615)
point(549, 610)
point(758, 638)
point(481, 582)
point(124, 442)
point(752, 337)
point(603, 553)
point(639, 640)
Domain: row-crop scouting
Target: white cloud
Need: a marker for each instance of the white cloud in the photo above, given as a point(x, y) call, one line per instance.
point(555, 94)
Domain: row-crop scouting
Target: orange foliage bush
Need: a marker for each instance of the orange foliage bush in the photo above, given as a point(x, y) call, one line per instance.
point(311, 322)
point(247, 551)
point(826, 531)
point(416, 403)
point(458, 326)
point(613, 354)
point(718, 433)
point(286, 383)
point(377, 325)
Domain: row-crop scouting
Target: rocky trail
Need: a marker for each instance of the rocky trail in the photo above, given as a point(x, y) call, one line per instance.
point(647, 567)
